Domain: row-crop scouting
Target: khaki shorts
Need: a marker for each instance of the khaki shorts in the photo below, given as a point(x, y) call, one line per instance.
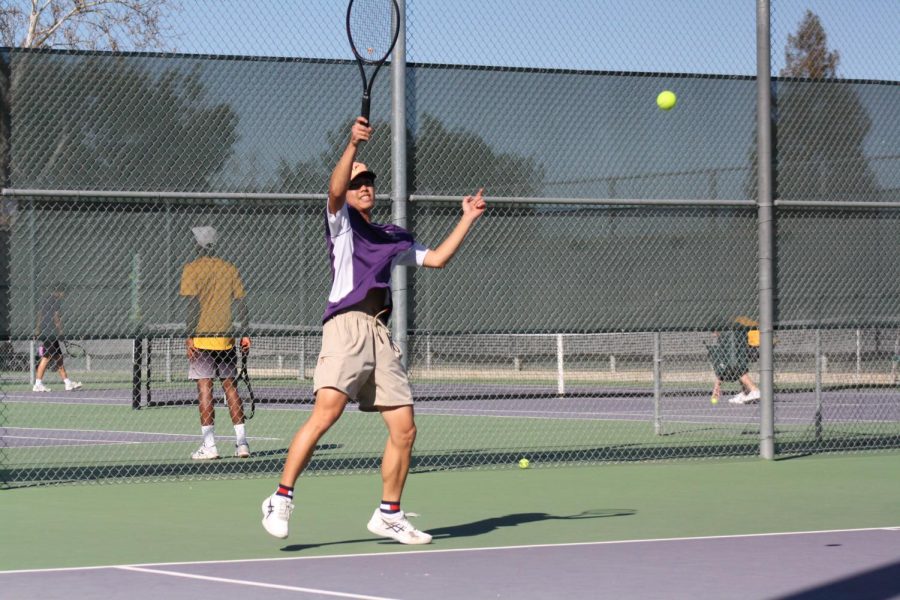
point(359, 359)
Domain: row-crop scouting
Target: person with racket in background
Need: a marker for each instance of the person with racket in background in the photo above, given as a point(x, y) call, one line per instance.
point(49, 332)
point(211, 285)
point(358, 360)
point(735, 348)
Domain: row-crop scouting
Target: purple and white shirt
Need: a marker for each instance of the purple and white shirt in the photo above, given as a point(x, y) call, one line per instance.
point(362, 256)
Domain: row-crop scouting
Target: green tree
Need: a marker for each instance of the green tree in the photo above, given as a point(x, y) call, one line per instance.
point(442, 162)
point(117, 123)
point(820, 124)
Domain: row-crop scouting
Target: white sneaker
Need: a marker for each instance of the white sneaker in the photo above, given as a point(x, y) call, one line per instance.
point(206, 453)
point(738, 399)
point(242, 451)
point(398, 528)
point(748, 398)
point(276, 512)
point(73, 385)
point(40, 387)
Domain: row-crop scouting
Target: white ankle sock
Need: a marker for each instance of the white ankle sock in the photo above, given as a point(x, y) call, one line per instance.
point(209, 435)
point(240, 434)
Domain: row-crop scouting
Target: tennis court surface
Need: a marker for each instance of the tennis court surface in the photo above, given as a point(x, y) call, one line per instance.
point(811, 527)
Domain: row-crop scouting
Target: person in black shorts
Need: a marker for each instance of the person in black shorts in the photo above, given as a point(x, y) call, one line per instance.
point(49, 331)
point(731, 355)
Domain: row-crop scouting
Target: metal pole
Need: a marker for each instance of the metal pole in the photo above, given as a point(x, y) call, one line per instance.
point(399, 280)
point(818, 416)
point(560, 366)
point(137, 355)
point(657, 381)
point(32, 366)
point(766, 217)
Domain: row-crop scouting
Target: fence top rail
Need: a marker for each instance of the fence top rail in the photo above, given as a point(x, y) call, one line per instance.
point(163, 195)
point(169, 195)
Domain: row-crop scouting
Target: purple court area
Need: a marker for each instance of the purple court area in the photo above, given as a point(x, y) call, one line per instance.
point(802, 565)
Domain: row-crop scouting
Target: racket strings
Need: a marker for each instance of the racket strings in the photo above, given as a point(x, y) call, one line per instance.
point(372, 28)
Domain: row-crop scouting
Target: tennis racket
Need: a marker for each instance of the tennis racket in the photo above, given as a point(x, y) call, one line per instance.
point(244, 389)
point(372, 28)
point(72, 350)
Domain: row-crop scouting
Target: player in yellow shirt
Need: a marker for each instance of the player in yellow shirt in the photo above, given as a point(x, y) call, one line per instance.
point(212, 285)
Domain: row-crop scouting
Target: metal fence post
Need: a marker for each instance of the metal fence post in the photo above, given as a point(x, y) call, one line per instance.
point(766, 214)
point(400, 312)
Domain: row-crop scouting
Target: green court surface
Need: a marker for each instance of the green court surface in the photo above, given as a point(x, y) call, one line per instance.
point(85, 525)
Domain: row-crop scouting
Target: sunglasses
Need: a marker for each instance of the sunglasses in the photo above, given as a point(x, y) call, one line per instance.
point(358, 183)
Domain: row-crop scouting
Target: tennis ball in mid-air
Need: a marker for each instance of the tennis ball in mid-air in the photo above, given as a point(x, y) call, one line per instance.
point(714, 399)
point(523, 463)
point(666, 100)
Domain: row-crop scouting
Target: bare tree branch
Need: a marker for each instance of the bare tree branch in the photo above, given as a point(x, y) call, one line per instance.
point(86, 24)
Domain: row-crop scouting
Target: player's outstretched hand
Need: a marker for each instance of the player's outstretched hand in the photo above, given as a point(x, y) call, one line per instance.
point(474, 206)
point(360, 132)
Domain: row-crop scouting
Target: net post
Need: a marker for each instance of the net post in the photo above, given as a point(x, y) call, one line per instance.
point(560, 366)
point(858, 353)
point(149, 379)
point(168, 360)
point(818, 415)
point(137, 354)
point(657, 381)
point(32, 367)
point(301, 369)
point(895, 358)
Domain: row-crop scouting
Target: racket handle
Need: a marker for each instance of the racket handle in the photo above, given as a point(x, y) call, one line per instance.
point(364, 111)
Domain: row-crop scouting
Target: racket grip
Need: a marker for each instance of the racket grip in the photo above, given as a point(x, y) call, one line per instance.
point(364, 110)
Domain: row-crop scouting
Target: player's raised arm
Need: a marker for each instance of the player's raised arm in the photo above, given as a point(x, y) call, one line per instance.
point(340, 177)
point(473, 207)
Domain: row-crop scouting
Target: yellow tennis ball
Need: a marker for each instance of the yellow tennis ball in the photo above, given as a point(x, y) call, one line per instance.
point(523, 463)
point(714, 399)
point(666, 100)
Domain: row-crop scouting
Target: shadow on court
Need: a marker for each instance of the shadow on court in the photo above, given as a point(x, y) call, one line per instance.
point(484, 526)
point(878, 583)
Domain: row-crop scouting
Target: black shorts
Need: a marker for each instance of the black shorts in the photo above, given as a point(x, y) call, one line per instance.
point(50, 349)
point(730, 358)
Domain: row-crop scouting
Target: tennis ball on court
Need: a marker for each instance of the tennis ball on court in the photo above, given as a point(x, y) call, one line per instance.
point(666, 100)
point(523, 463)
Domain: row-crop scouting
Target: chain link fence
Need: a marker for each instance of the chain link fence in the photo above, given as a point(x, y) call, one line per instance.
point(589, 313)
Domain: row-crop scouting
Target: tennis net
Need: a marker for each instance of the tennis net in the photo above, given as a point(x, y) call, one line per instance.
point(446, 366)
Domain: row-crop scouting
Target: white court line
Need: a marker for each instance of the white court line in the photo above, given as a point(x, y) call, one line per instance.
point(273, 586)
point(457, 550)
point(190, 435)
point(70, 398)
point(55, 439)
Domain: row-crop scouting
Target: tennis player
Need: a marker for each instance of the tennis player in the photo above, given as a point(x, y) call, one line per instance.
point(736, 347)
point(49, 331)
point(358, 360)
point(212, 284)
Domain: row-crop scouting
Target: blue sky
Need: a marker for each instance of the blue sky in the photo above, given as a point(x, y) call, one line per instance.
point(681, 36)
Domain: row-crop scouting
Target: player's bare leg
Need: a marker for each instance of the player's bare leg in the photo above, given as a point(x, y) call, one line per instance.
point(235, 405)
point(398, 450)
point(326, 411)
point(389, 520)
point(205, 399)
point(277, 508)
